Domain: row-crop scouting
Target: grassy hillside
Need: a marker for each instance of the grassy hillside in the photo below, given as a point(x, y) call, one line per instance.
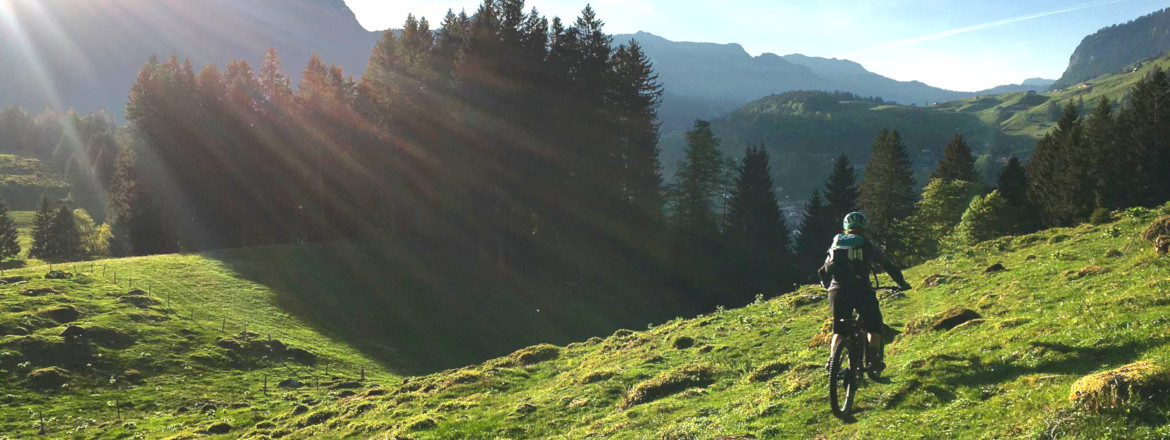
point(23, 180)
point(1032, 115)
point(1071, 302)
point(182, 342)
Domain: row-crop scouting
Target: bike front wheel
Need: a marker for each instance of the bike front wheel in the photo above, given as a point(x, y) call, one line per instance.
point(843, 379)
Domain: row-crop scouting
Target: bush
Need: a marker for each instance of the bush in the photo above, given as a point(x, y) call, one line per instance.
point(535, 354)
point(1157, 229)
point(48, 378)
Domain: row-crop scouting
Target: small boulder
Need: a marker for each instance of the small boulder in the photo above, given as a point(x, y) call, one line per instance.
point(39, 291)
point(13, 280)
point(301, 356)
point(58, 275)
point(345, 393)
point(1158, 228)
point(219, 428)
point(1113, 253)
point(683, 342)
point(290, 383)
point(48, 378)
point(62, 314)
point(73, 333)
point(994, 268)
point(953, 318)
point(1113, 388)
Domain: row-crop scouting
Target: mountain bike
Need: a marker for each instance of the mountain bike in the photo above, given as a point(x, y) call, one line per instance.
point(847, 365)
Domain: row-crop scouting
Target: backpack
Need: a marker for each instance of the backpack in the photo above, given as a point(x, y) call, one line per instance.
point(848, 263)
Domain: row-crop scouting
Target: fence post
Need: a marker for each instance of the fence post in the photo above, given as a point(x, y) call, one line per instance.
point(265, 384)
point(223, 328)
point(363, 373)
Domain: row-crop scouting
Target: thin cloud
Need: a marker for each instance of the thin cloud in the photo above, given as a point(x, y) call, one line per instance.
point(977, 27)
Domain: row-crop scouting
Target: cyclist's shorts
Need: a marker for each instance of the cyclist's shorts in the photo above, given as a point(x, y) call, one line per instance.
point(845, 300)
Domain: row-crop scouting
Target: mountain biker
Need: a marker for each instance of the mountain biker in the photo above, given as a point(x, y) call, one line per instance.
point(846, 272)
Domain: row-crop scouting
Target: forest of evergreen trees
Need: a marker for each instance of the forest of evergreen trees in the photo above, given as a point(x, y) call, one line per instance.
point(529, 145)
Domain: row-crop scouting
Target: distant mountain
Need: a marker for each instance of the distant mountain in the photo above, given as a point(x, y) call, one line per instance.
point(707, 80)
point(85, 54)
point(1029, 85)
point(1116, 47)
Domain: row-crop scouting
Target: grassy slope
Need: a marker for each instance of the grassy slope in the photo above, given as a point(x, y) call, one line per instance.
point(1008, 376)
point(1021, 115)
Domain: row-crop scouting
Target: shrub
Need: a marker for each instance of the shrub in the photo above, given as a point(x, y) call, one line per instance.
point(1157, 229)
point(48, 378)
point(535, 354)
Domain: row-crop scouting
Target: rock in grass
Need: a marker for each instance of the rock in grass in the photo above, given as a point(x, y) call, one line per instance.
point(1162, 245)
point(58, 275)
point(525, 408)
point(935, 280)
point(1113, 253)
point(48, 378)
point(670, 382)
point(1159, 227)
point(683, 342)
point(62, 314)
point(219, 428)
point(290, 383)
point(994, 268)
point(768, 371)
point(73, 333)
point(535, 354)
point(39, 291)
point(1114, 388)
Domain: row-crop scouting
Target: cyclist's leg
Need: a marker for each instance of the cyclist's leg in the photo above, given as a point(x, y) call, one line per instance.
point(842, 311)
point(870, 311)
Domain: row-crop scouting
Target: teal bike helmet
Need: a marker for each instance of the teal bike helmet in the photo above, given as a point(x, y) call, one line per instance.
point(854, 221)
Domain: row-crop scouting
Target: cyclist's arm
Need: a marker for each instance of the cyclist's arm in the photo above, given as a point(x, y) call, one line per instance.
point(880, 259)
point(823, 272)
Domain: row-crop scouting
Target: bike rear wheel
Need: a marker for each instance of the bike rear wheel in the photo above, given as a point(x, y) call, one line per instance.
point(843, 378)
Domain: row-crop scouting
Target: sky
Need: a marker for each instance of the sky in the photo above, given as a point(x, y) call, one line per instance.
point(965, 45)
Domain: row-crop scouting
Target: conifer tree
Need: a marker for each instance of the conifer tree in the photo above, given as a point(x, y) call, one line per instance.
point(940, 210)
point(1110, 174)
point(758, 235)
point(841, 190)
point(1144, 125)
point(1058, 178)
point(9, 247)
point(1012, 185)
point(42, 230)
point(888, 196)
point(957, 163)
point(818, 226)
point(695, 224)
point(65, 241)
point(987, 218)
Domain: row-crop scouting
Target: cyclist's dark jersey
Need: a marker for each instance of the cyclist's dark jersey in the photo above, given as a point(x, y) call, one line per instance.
point(847, 295)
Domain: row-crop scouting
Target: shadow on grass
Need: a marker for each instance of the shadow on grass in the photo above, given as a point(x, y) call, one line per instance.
point(419, 314)
point(941, 375)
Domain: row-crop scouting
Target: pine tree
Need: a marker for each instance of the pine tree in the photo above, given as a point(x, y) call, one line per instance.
point(940, 210)
point(9, 246)
point(1012, 185)
point(888, 196)
point(42, 230)
point(66, 239)
point(695, 224)
point(841, 190)
point(1058, 176)
point(818, 226)
point(758, 235)
point(1108, 170)
point(957, 163)
point(1144, 126)
point(986, 218)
